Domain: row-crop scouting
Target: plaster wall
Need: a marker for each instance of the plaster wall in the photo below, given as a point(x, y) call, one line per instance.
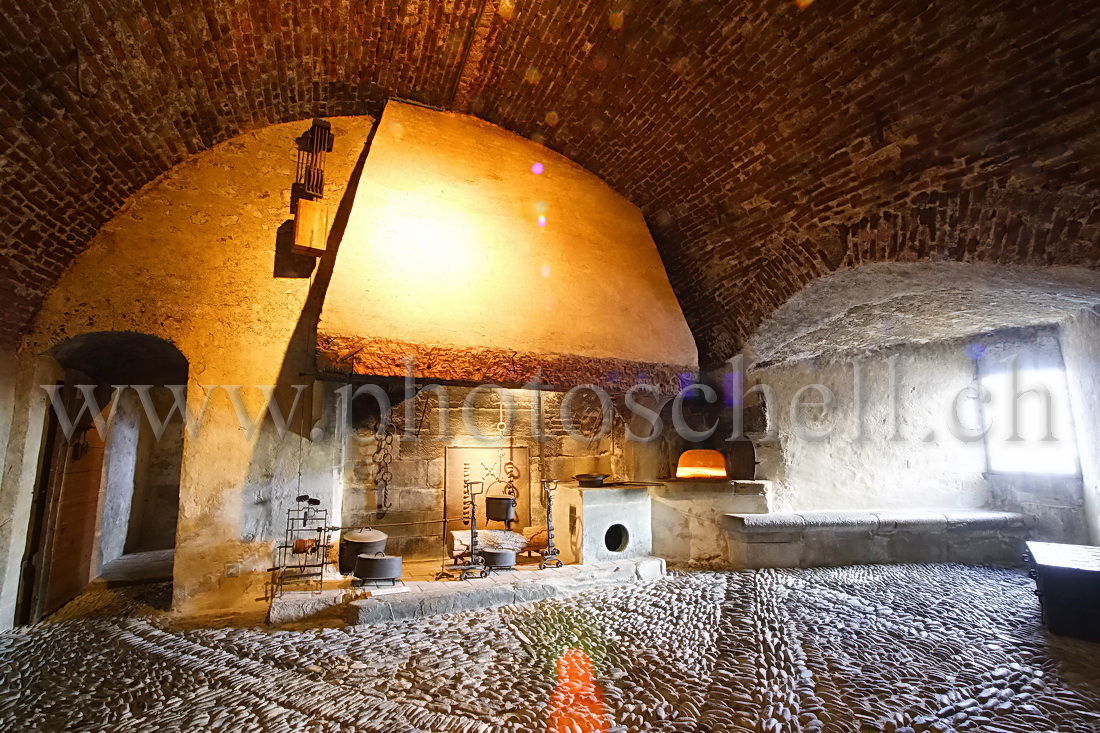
point(904, 453)
point(120, 460)
point(9, 367)
point(886, 447)
point(444, 246)
point(23, 457)
point(192, 259)
point(156, 486)
point(584, 516)
point(689, 520)
point(1081, 352)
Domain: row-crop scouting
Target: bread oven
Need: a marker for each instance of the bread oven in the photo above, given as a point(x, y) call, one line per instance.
point(701, 463)
point(737, 463)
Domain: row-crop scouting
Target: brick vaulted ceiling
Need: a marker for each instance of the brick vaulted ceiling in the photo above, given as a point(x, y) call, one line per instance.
point(767, 144)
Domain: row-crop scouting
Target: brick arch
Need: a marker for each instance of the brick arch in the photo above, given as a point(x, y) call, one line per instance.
point(767, 145)
point(988, 224)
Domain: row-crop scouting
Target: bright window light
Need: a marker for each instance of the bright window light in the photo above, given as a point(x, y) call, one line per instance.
point(1039, 437)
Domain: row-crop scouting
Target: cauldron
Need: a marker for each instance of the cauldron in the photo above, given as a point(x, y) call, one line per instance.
point(498, 558)
point(500, 508)
point(378, 567)
point(359, 541)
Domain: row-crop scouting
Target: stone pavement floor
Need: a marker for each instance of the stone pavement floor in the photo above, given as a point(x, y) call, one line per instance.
point(869, 648)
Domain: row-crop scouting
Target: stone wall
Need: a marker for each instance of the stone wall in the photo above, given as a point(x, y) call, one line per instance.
point(9, 367)
point(22, 455)
point(418, 465)
point(891, 457)
point(1081, 351)
point(905, 453)
point(198, 259)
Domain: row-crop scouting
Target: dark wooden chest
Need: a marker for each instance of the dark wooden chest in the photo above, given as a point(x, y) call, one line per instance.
point(1067, 579)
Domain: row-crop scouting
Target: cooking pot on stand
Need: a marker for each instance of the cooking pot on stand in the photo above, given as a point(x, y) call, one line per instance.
point(498, 559)
point(378, 567)
point(358, 542)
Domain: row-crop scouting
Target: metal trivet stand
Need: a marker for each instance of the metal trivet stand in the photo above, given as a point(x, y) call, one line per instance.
point(305, 549)
point(550, 557)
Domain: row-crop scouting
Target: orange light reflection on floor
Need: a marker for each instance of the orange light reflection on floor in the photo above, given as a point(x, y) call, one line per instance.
point(576, 703)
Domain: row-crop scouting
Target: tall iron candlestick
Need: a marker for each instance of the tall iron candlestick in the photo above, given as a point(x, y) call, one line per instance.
point(476, 567)
point(550, 557)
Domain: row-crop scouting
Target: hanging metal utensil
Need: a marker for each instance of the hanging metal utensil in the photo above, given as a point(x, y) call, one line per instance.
point(383, 455)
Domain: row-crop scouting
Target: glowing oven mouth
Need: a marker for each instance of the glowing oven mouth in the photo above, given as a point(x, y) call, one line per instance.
point(699, 472)
point(701, 464)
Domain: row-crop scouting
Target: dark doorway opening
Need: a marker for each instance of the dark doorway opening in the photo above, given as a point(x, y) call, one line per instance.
point(107, 495)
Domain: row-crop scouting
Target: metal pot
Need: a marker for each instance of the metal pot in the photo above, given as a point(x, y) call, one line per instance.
point(500, 508)
point(358, 542)
point(590, 480)
point(378, 567)
point(498, 558)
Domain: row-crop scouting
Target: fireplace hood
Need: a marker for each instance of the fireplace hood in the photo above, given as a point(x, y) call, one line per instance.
point(491, 259)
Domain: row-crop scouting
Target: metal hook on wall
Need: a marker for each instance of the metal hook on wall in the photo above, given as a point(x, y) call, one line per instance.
point(80, 77)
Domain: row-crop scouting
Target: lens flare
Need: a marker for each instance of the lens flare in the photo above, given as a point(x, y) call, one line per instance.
point(532, 75)
point(542, 220)
point(616, 19)
point(576, 703)
point(537, 169)
point(552, 118)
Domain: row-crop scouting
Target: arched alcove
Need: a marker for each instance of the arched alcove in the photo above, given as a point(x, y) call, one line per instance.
point(873, 378)
point(107, 495)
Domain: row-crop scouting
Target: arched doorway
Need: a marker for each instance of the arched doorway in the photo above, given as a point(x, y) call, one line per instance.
point(107, 496)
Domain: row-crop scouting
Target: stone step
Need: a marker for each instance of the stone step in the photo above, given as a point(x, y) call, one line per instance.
point(501, 589)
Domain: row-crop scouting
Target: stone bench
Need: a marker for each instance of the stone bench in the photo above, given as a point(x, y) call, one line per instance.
point(811, 539)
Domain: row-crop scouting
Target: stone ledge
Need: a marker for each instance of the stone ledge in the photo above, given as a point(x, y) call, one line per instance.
point(809, 539)
point(430, 599)
point(762, 527)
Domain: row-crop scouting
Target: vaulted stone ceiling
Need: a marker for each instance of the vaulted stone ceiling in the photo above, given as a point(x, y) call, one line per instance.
point(767, 144)
point(888, 304)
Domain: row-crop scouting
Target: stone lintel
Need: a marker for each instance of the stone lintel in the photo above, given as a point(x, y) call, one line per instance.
point(378, 357)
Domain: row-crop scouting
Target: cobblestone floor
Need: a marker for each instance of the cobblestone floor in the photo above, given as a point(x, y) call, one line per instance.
point(851, 649)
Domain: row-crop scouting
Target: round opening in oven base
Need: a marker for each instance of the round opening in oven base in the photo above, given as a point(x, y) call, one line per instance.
point(616, 538)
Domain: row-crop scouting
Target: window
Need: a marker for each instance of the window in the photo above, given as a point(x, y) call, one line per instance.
point(1030, 429)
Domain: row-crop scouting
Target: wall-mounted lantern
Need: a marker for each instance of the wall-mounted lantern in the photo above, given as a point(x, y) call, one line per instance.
point(311, 214)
